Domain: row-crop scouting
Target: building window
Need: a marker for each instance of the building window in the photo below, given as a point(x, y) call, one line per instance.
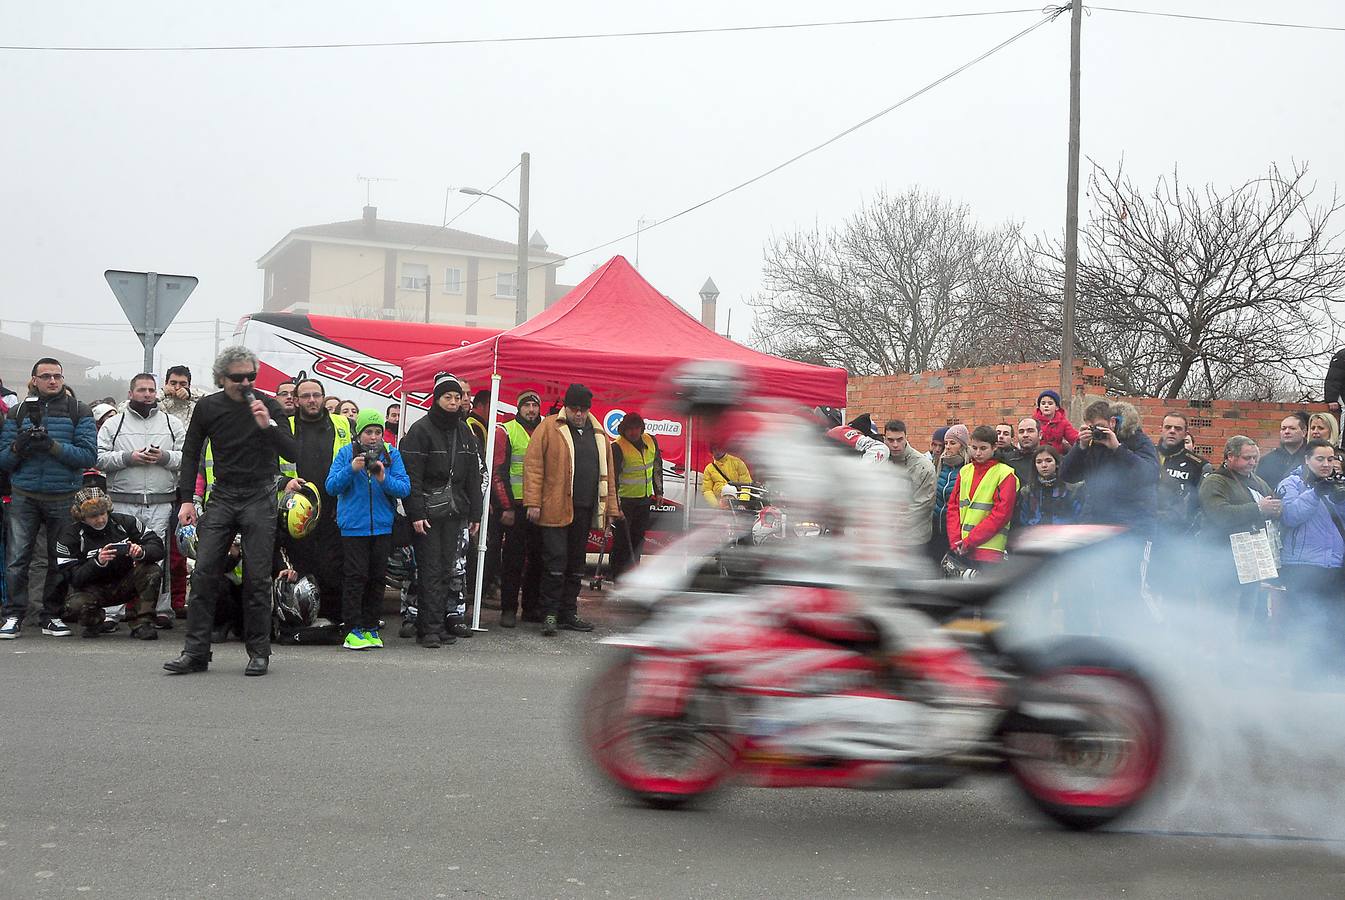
point(452, 281)
point(414, 276)
point(504, 285)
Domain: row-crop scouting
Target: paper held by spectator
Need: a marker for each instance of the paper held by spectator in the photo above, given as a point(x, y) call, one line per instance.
point(1253, 556)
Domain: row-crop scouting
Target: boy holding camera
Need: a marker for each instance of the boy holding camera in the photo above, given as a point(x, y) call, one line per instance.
point(366, 478)
point(108, 559)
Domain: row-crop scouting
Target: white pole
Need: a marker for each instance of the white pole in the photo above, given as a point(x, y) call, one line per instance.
point(688, 489)
point(483, 535)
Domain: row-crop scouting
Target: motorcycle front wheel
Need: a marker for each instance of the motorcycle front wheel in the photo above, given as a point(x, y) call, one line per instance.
point(1101, 760)
point(664, 763)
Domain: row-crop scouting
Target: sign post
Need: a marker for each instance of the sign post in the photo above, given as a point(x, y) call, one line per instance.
point(151, 301)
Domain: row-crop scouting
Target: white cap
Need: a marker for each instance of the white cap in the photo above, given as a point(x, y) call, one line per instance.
point(100, 410)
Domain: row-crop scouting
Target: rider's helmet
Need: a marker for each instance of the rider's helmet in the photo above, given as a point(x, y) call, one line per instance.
point(186, 540)
point(300, 511)
point(708, 386)
point(295, 603)
point(827, 416)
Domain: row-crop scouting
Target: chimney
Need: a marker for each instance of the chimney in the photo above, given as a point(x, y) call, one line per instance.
point(709, 294)
point(370, 219)
point(35, 335)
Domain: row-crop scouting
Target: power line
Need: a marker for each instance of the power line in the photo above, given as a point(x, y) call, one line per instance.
point(1050, 14)
point(97, 325)
point(1193, 18)
point(521, 39)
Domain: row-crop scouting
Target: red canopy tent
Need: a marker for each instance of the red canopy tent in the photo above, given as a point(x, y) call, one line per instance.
point(617, 334)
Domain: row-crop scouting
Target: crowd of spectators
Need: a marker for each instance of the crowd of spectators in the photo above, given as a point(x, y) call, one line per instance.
point(302, 502)
point(977, 489)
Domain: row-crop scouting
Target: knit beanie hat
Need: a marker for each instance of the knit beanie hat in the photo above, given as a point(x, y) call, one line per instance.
point(445, 382)
point(958, 433)
point(1053, 395)
point(366, 418)
point(578, 396)
point(939, 433)
point(528, 395)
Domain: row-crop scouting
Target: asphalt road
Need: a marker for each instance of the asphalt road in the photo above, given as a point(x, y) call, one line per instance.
point(417, 773)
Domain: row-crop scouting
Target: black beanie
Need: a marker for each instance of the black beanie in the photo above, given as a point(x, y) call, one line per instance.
point(443, 383)
point(578, 396)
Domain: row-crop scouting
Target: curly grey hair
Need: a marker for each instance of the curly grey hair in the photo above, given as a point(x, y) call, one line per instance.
point(227, 357)
point(1235, 445)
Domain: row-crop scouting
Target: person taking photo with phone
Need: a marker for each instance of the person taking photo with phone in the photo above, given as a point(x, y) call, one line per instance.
point(108, 559)
point(140, 452)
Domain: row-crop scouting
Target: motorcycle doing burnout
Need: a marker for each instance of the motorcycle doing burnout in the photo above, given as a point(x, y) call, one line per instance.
point(827, 667)
point(779, 682)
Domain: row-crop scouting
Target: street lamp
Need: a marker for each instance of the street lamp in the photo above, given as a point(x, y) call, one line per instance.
point(474, 192)
point(521, 273)
point(709, 294)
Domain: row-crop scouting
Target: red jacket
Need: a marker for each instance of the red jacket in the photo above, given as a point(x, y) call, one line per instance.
point(1056, 431)
point(1001, 513)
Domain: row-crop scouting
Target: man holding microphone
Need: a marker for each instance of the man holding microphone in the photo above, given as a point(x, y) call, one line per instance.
point(247, 436)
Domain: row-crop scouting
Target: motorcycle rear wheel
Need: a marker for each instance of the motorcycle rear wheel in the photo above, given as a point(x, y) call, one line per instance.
point(1102, 770)
point(663, 763)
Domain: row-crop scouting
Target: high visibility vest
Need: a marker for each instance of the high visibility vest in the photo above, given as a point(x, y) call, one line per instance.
point(975, 507)
point(209, 467)
point(340, 437)
point(637, 468)
point(518, 448)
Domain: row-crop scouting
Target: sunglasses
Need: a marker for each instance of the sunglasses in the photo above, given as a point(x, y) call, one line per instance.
point(240, 377)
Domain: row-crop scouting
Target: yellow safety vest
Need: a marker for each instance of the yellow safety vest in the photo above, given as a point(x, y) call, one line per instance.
point(637, 469)
point(975, 507)
point(209, 467)
point(340, 438)
point(518, 448)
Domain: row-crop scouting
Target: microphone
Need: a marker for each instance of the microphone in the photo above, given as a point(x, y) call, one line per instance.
point(248, 396)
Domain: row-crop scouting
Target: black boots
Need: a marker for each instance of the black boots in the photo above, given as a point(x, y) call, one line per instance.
point(257, 665)
point(186, 664)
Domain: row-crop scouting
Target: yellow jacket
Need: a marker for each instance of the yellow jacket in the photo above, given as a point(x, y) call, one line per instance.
point(719, 473)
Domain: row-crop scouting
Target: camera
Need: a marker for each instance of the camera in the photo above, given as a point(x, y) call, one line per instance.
point(1099, 433)
point(122, 548)
point(371, 457)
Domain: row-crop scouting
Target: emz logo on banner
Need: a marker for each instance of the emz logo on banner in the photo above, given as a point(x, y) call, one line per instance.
point(612, 421)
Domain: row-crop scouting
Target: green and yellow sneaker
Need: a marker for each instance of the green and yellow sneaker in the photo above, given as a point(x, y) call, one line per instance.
point(358, 639)
point(375, 642)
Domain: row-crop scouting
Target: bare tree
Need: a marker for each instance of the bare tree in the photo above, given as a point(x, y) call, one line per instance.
point(1198, 292)
point(909, 283)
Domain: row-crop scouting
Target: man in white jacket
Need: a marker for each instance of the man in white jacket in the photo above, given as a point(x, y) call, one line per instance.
point(140, 452)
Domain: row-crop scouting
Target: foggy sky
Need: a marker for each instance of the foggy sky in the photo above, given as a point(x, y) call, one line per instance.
point(196, 163)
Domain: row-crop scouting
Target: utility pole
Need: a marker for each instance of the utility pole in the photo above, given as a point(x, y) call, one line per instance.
point(521, 276)
point(216, 356)
point(428, 278)
point(1071, 212)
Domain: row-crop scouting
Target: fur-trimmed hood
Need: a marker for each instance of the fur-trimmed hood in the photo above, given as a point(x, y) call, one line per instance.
point(1129, 415)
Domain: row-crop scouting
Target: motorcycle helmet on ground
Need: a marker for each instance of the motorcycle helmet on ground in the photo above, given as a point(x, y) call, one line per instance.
point(300, 511)
point(295, 603)
point(187, 540)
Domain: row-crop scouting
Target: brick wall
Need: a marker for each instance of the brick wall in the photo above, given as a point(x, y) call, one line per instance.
point(988, 395)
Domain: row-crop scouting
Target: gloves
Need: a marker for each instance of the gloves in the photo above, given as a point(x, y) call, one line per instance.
point(23, 445)
point(40, 443)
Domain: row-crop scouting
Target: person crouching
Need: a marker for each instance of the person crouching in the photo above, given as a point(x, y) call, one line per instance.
point(108, 559)
point(366, 478)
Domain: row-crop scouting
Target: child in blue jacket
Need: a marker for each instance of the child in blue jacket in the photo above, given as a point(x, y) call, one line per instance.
point(365, 493)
